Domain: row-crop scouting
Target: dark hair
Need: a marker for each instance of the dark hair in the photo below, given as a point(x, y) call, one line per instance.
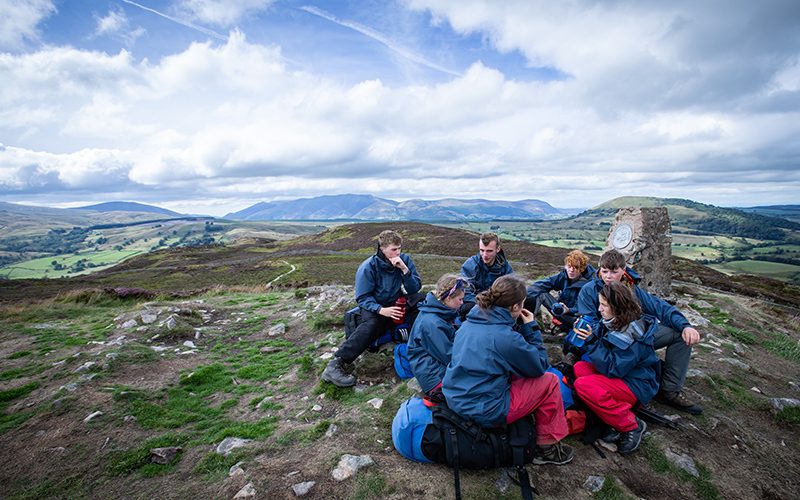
point(623, 302)
point(487, 238)
point(505, 292)
point(611, 260)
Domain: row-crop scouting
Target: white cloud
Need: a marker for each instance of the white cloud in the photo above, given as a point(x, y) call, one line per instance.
point(115, 24)
point(224, 13)
point(19, 21)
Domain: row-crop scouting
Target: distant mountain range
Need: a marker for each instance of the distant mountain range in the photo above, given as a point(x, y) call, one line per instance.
point(128, 206)
point(368, 207)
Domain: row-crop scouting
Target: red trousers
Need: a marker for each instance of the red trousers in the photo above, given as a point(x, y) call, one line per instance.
point(542, 397)
point(609, 398)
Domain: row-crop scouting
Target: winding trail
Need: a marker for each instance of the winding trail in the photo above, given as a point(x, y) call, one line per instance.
point(287, 273)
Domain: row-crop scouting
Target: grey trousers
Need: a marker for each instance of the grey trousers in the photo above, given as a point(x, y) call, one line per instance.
point(676, 361)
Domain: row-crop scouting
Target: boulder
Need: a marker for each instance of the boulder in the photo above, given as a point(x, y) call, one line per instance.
point(231, 443)
point(349, 465)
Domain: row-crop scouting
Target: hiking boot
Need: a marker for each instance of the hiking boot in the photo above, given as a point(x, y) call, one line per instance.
point(630, 441)
point(679, 401)
point(335, 374)
point(558, 454)
point(571, 358)
point(611, 436)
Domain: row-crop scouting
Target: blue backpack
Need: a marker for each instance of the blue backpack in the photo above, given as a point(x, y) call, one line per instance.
point(401, 363)
point(567, 397)
point(439, 435)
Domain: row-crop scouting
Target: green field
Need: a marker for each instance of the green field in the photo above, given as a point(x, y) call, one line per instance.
point(770, 269)
point(46, 267)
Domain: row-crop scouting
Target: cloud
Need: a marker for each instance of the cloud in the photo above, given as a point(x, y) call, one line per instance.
point(178, 20)
point(224, 13)
point(19, 21)
point(115, 24)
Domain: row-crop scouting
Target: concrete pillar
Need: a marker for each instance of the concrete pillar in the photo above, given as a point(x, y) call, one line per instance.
point(644, 236)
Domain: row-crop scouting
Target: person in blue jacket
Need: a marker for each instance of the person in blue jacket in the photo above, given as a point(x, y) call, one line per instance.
point(674, 331)
point(623, 368)
point(483, 268)
point(431, 341)
point(568, 282)
point(380, 281)
point(497, 374)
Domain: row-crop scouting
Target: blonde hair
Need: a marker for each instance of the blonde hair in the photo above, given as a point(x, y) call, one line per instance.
point(577, 259)
point(449, 285)
point(506, 291)
point(389, 237)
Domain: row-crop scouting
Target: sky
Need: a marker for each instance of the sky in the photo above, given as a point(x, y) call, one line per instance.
point(210, 106)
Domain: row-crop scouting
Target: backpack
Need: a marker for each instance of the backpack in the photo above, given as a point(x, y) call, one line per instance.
point(439, 435)
point(401, 363)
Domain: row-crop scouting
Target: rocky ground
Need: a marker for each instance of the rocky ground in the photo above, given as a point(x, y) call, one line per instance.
point(218, 396)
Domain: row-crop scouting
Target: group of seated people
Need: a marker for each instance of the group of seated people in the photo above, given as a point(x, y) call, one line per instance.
point(492, 367)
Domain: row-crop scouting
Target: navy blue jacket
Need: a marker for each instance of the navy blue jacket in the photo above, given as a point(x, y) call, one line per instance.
point(431, 342)
point(560, 282)
point(637, 365)
point(486, 353)
point(665, 313)
point(481, 276)
point(378, 282)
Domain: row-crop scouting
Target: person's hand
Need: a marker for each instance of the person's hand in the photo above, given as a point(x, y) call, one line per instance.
point(690, 335)
point(393, 312)
point(584, 334)
point(526, 316)
point(399, 264)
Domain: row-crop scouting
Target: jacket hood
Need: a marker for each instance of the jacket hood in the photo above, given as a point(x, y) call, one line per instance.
point(493, 316)
point(435, 306)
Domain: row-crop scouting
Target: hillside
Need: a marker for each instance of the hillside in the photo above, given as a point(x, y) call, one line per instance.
point(94, 376)
point(368, 207)
point(128, 206)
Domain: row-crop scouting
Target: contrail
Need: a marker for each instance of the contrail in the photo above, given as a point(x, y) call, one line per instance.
point(375, 35)
point(183, 23)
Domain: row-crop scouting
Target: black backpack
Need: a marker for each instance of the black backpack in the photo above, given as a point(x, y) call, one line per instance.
point(460, 443)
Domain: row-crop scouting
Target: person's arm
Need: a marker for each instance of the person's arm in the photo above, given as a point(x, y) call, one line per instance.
point(524, 351)
point(668, 315)
point(587, 305)
point(411, 279)
point(365, 288)
point(438, 344)
point(612, 361)
point(543, 286)
point(469, 270)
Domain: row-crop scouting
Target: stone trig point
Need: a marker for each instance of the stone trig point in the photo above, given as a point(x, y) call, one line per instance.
point(644, 236)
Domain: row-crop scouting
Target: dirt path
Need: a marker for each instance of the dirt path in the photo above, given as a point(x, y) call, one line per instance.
point(290, 271)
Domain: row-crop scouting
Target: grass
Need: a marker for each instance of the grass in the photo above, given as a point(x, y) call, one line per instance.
point(18, 392)
point(611, 490)
point(702, 485)
point(138, 459)
point(215, 466)
point(741, 335)
point(303, 436)
point(732, 392)
point(20, 354)
point(320, 322)
point(789, 415)
point(371, 485)
point(784, 346)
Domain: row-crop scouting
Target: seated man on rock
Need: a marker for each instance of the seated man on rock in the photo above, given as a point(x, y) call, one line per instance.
point(482, 269)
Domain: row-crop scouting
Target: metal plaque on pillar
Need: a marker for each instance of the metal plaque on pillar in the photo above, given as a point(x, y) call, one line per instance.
point(644, 236)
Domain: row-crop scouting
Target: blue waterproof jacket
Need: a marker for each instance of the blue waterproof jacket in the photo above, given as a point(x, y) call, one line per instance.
point(560, 282)
point(378, 281)
point(665, 313)
point(486, 353)
point(430, 343)
point(635, 363)
point(481, 276)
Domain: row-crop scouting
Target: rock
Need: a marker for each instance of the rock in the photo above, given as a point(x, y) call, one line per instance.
point(170, 323)
point(331, 430)
point(277, 329)
point(781, 403)
point(594, 483)
point(229, 444)
point(92, 416)
point(236, 470)
point(694, 317)
point(683, 462)
point(735, 362)
point(326, 356)
point(149, 317)
point(160, 348)
point(189, 344)
point(86, 377)
point(316, 408)
point(112, 355)
point(376, 403)
point(59, 363)
point(504, 481)
point(165, 455)
point(84, 367)
point(643, 235)
point(349, 465)
point(248, 491)
point(129, 324)
point(756, 390)
point(695, 372)
point(71, 387)
point(413, 385)
point(702, 304)
point(267, 349)
point(303, 488)
point(129, 419)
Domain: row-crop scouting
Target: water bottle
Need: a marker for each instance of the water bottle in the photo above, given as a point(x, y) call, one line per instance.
point(572, 338)
point(401, 303)
point(557, 309)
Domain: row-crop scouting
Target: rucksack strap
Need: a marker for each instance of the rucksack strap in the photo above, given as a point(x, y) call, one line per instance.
point(519, 439)
point(451, 449)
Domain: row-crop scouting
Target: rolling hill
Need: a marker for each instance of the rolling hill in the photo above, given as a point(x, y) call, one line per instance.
point(128, 206)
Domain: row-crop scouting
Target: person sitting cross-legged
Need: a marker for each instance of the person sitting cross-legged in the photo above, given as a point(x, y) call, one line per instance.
point(568, 283)
point(624, 369)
